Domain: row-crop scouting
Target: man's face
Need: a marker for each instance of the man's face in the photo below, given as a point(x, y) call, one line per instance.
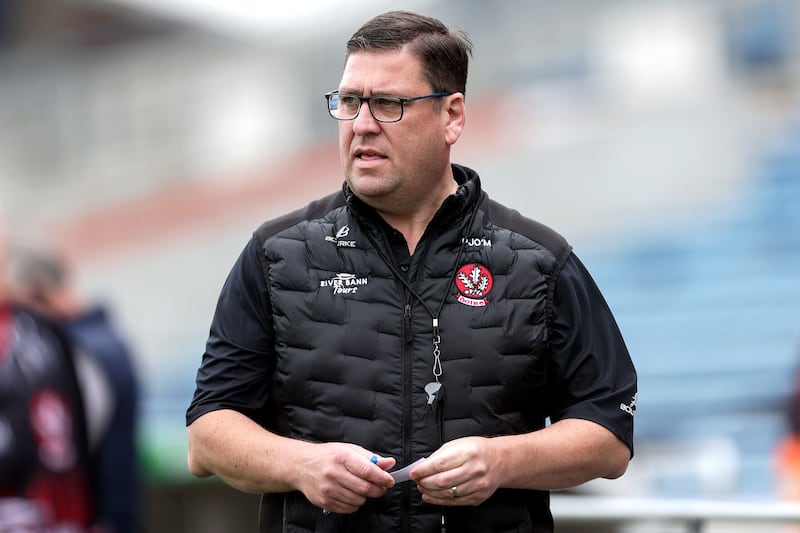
point(392, 166)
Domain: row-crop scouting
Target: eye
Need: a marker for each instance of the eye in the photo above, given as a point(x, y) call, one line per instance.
point(348, 101)
point(386, 102)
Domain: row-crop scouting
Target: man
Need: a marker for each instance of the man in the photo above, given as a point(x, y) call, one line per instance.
point(407, 317)
point(44, 454)
point(43, 280)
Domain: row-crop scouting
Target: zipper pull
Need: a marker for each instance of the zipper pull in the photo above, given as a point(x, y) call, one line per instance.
point(407, 321)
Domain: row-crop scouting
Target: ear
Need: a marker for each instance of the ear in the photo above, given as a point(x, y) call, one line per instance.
point(454, 113)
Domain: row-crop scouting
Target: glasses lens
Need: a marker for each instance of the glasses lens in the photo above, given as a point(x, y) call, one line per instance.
point(386, 108)
point(333, 103)
point(343, 106)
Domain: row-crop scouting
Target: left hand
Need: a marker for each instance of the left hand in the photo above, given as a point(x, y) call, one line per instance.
point(468, 464)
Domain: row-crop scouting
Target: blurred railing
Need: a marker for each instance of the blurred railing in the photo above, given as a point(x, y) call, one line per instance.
point(694, 514)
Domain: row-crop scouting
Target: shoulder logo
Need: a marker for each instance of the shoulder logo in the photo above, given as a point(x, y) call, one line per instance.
point(339, 238)
point(631, 407)
point(474, 282)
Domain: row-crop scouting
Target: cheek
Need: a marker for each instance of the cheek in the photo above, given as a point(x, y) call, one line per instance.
point(423, 146)
point(345, 139)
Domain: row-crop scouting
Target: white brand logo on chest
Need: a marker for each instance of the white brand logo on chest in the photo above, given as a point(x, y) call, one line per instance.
point(477, 241)
point(343, 283)
point(339, 238)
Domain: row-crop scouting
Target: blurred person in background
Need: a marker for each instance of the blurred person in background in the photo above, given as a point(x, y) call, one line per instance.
point(45, 465)
point(409, 318)
point(787, 452)
point(44, 281)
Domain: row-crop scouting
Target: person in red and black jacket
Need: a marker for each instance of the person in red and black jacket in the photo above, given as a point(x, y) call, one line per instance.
point(44, 279)
point(44, 453)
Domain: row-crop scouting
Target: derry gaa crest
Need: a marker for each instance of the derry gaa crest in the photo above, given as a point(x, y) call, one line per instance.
point(474, 281)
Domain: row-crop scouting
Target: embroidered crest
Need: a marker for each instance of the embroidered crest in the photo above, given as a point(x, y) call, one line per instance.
point(474, 282)
point(51, 421)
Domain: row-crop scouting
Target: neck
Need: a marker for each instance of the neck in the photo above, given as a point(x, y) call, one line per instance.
point(412, 225)
point(412, 230)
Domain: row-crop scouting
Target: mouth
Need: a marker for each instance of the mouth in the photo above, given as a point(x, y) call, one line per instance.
point(368, 154)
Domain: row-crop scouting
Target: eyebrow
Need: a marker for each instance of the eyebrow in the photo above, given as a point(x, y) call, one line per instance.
point(374, 93)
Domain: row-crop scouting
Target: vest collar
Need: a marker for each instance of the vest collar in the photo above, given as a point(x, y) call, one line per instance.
point(454, 207)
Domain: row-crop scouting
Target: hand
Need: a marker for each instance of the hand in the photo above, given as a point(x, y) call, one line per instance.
point(339, 477)
point(468, 464)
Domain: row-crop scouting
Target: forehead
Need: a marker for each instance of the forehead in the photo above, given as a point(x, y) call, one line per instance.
point(371, 72)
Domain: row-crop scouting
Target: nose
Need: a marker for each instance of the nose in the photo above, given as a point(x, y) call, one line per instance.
point(365, 122)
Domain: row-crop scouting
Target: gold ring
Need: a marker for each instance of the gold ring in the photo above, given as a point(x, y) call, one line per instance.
point(454, 492)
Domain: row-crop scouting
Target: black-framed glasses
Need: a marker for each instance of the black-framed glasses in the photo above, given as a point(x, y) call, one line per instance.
point(346, 106)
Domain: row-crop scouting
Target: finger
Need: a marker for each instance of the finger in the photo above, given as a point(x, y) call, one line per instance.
point(440, 482)
point(361, 487)
point(441, 461)
point(386, 463)
point(446, 497)
point(371, 475)
point(340, 497)
point(339, 507)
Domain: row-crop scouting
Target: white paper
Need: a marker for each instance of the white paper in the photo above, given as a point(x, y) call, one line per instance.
point(401, 475)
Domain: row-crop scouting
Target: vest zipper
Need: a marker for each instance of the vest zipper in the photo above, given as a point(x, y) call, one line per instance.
point(408, 338)
point(408, 334)
point(408, 353)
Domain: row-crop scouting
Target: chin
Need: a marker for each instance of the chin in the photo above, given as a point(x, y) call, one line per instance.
point(367, 185)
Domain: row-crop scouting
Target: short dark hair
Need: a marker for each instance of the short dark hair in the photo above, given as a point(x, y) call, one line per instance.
point(34, 269)
point(444, 53)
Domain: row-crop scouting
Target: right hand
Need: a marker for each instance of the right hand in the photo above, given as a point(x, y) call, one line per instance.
point(339, 477)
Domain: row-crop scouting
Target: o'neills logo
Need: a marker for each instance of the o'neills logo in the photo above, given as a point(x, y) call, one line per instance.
point(474, 282)
point(343, 283)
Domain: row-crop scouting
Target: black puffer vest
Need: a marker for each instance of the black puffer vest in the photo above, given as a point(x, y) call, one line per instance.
point(354, 348)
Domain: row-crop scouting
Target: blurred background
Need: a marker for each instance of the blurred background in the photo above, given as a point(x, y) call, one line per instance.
point(147, 139)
